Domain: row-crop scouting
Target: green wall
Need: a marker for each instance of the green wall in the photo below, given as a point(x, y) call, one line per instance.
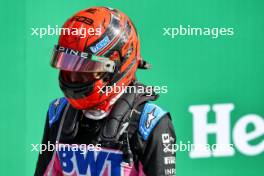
point(198, 70)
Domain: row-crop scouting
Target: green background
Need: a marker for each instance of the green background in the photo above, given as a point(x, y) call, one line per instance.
point(197, 70)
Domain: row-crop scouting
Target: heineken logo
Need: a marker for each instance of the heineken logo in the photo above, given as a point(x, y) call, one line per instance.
point(225, 133)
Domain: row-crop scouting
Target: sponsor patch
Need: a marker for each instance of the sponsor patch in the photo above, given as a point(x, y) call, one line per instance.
point(169, 160)
point(170, 171)
point(100, 45)
point(165, 138)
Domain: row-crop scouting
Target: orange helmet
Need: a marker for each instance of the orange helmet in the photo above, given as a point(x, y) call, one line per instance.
point(109, 48)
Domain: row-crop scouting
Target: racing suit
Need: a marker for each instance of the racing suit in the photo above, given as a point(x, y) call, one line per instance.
point(136, 138)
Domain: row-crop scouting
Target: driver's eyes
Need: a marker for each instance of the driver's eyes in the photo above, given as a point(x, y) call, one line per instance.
point(81, 77)
point(98, 75)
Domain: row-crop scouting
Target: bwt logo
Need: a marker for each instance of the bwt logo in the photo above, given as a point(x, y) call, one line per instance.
point(221, 128)
point(91, 163)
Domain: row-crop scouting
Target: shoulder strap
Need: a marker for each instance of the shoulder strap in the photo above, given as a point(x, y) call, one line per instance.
point(119, 118)
point(149, 118)
point(55, 109)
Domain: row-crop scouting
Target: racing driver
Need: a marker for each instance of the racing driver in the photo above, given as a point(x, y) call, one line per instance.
point(97, 131)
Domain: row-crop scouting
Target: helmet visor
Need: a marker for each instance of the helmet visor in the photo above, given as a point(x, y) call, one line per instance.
point(72, 60)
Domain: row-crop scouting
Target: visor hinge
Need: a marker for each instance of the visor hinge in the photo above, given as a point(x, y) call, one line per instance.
point(144, 65)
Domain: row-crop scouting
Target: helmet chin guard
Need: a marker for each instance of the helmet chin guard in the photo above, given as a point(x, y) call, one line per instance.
point(95, 114)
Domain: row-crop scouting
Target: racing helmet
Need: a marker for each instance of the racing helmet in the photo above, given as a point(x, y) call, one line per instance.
point(98, 48)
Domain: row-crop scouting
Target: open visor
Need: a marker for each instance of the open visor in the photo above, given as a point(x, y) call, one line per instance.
point(72, 60)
